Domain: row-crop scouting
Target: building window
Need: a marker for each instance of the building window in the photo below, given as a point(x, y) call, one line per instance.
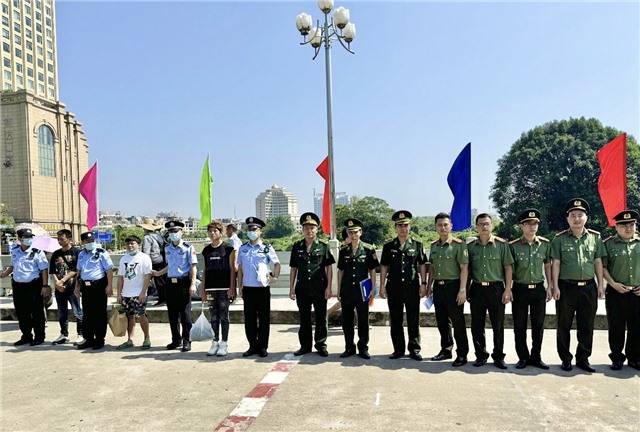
point(18, 53)
point(48, 10)
point(30, 72)
point(41, 63)
point(39, 27)
point(16, 3)
point(31, 85)
point(7, 86)
point(40, 51)
point(16, 15)
point(40, 76)
point(18, 40)
point(20, 80)
point(49, 55)
point(6, 62)
point(5, 20)
point(5, 8)
point(46, 151)
point(50, 67)
point(7, 75)
point(29, 58)
point(6, 47)
point(27, 21)
point(52, 93)
point(27, 32)
point(41, 89)
point(47, 21)
point(50, 80)
point(19, 67)
point(38, 4)
point(5, 33)
point(38, 14)
point(39, 39)
point(49, 33)
point(16, 28)
point(27, 9)
point(49, 44)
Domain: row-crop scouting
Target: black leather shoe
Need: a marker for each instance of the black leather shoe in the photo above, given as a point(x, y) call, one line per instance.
point(347, 353)
point(264, 353)
point(521, 364)
point(480, 362)
point(459, 361)
point(173, 345)
point(22, 342)
point(538, 363)
point(85, 345)
point(442, 355)
point(566, 365)
point(36, 342)
point(186, 346)
point(98, 345)
point(415, 356)
point(364, 354)
point(585, 366)
point(500, 364)
point(301, 351)
point(635, 365)
point(396, 355)
point(249, 352)
point(616, 365)
point(322, 352)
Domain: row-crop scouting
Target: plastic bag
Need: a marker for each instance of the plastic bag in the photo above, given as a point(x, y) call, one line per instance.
point(118, 321)
point(201, 330)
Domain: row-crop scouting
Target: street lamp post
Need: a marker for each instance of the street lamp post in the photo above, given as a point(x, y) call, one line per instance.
point(336, 28)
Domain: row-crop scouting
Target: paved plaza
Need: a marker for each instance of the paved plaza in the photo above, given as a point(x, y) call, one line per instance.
point(51, 388)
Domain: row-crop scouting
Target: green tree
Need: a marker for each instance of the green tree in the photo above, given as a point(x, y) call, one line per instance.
point(278, 227)
point(121, 233)
point(375, 215)
point(553, 163)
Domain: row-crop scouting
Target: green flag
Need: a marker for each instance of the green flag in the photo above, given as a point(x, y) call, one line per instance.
point(205, 195)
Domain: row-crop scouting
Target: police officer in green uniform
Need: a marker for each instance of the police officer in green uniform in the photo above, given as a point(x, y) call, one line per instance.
point(403, 280)
point(448, 275)
point(357, 261)
point(622, 273)
point(531, 267)
point(491, 271)
point(310, 284)
point(576, 256)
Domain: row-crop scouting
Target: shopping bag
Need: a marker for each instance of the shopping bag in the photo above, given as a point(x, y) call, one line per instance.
point(201, 329)
point(118, 321)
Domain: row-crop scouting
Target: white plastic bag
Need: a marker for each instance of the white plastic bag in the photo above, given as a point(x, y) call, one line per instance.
point(201, 330)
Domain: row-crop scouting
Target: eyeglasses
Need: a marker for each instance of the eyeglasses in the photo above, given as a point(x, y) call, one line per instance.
point(484, 224)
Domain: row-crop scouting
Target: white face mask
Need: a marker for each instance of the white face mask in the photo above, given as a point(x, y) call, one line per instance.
point(253, 235)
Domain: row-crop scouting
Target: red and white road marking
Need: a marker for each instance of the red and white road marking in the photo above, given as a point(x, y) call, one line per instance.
point(249, 408)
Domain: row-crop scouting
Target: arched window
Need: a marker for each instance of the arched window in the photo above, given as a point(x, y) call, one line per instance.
point(46, 151)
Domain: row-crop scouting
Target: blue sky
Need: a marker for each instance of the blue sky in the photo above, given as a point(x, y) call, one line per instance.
point(157, 86)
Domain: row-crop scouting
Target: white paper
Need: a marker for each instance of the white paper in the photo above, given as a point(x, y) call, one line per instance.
point(263, 274)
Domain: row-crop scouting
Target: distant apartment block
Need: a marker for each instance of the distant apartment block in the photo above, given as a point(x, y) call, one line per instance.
point(341, 198)
point(277, 201)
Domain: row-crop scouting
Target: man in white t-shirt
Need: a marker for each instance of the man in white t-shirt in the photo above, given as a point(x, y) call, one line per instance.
point(134, 276)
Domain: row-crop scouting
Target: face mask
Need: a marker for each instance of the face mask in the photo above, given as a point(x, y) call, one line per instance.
point(90, 246)
point(253, 235)
point(133, 252)
point(174, 237)
point(28, 241)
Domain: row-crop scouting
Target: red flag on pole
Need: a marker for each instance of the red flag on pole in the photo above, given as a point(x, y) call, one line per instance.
point(612, 183)
point(89, 190)
point(323, 170)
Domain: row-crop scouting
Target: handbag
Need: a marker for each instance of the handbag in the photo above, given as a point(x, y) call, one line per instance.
point(201, 330)
point(118, 321)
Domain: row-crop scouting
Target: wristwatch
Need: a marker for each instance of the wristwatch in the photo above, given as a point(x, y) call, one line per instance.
point(423, 283)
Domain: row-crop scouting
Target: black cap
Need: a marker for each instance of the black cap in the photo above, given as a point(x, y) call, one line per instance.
point(309, 218)
point(174, 225)
point(626, 216)
point(87, 236)
point(253, 221)
point(529, 214)
point(577, 204)
point(402, 217)
point(353, 224)
point(25, 232)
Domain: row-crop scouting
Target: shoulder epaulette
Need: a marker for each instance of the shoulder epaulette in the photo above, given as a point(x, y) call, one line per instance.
point(100, 250)
point(514, 241)
point(469, 241)
point(607, 239)
point(593, 231)
point(367, 245)
point(500, 239)
point(323, 242)
point(35, 250)
point(544, 239)
point(434, 242)
point(344, 247)
point(457, 240)
point(186, 244)
point(15, 246)
point(561, 233)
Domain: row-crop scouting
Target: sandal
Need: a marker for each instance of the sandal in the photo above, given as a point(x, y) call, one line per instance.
point(146, 344)
point(125, 345)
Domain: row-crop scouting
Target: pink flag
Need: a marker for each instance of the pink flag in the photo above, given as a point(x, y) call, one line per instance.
point(89, 190)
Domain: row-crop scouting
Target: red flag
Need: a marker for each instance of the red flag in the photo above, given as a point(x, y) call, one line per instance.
point(612, 183)
point(323, 170)
point(89, 190)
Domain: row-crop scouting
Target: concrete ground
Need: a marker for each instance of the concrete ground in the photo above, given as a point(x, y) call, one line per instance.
point(51, 388)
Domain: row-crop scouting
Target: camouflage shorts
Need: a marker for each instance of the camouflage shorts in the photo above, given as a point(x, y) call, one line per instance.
point(133, 307)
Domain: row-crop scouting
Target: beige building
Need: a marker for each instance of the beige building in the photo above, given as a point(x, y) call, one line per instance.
point(43, 148)
point(277, 201)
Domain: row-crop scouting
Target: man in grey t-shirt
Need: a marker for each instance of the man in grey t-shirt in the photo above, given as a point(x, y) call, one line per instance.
point(153, 245)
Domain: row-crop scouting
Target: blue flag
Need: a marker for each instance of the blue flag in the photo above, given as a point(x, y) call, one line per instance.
point(459, 180)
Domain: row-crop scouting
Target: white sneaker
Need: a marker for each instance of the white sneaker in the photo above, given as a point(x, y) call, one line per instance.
point(61, 340)
point(214, 348)
point(80, 340)
point(222, 350)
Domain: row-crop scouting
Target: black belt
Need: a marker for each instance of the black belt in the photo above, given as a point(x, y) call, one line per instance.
point(446, 281)
point(180, 279)
point(90, 283)
point(488, 283)
point(27, 283)
point(528, 286)
point(579, 283)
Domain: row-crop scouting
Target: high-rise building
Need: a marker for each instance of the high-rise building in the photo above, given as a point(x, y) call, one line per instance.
point(341, 198)
point(44, 149)
point(277, 202)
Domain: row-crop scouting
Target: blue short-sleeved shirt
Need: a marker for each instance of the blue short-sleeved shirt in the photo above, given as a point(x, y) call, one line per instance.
point(93, 265)
point(180, 259)
point(255, 257)
point(27, 264)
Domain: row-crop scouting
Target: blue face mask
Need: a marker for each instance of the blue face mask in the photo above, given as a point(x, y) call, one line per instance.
point(174, 237)
point(253, 235)
point(90, 246)
point(27, 241)
point(133, 252)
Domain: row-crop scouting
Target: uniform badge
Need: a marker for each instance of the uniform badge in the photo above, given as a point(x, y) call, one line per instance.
point(466, 252)
point(401, 215)
point(309, 217)
point(350, 223)
point(577, 203)
point(627, 216)
point(532, 214)
point(172, 224)
point(250, 220)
